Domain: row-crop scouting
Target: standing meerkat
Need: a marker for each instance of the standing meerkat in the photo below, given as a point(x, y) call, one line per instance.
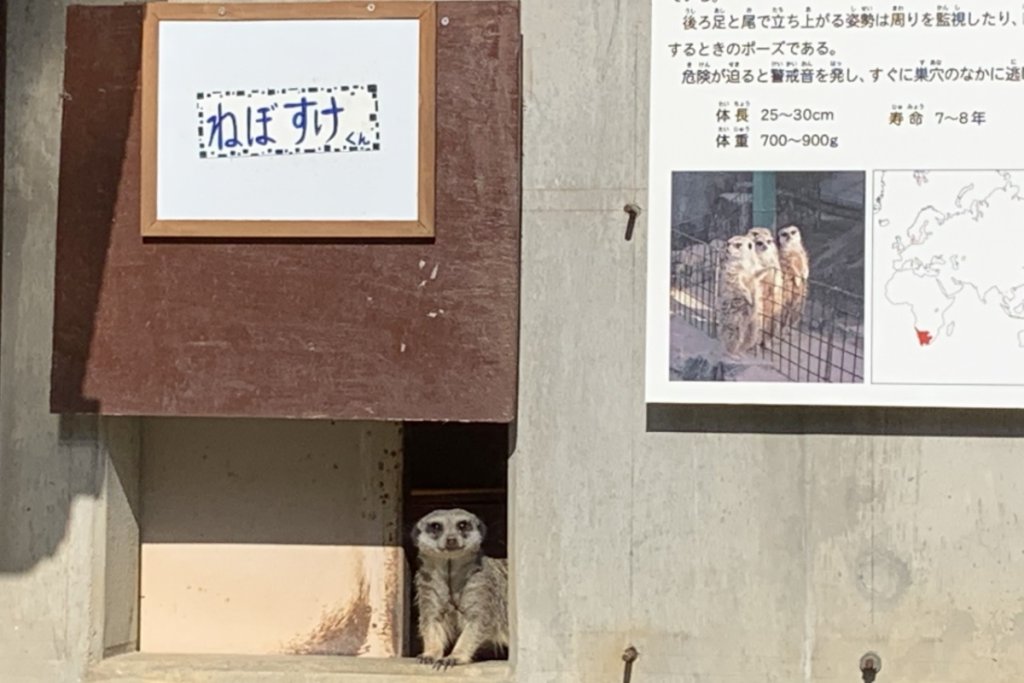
point(462, 595)
point(769, 282)
point(737, 296)
point(796, 269)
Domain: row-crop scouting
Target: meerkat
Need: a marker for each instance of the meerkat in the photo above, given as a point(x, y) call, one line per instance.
point(770, 284)
point(737, 296)
point(796, 270)
point(462, 595)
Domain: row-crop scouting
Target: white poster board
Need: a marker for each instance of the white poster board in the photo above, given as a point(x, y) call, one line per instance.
point(883, 141)
point(288, 120)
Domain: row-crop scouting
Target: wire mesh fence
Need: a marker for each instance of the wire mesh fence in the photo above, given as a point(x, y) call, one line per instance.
point(820, 339)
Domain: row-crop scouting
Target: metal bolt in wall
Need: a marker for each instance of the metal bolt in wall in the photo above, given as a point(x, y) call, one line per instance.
point(629, 656)
point(633, 210)
point(870, 665)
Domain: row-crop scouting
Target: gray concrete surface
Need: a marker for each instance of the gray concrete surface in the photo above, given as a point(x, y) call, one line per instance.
point(722, 542)
point(722, 555)
point(143, 668)
point(64, 521)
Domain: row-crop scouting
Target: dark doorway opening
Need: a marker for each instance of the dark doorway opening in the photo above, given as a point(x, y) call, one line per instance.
point(456, 465)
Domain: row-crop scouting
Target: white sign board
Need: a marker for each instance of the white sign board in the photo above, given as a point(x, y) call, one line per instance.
point(836, 196)
point(288, 120)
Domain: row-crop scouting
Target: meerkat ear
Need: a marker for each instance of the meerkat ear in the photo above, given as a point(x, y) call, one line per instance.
point(482, 528)
point(415, 533)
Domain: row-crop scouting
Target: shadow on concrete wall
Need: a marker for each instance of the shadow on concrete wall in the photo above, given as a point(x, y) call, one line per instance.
point(37, 494)
point(268, 482)
point(300, 482)
point(39, 482)
point(749, 419)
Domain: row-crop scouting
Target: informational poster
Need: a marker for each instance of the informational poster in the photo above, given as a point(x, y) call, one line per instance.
point(836, 207)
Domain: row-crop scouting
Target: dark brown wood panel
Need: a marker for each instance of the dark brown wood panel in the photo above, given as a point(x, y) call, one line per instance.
point(3, 123)
point(410, 330)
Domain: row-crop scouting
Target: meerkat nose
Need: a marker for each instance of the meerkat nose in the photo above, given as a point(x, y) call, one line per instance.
point(452, 543)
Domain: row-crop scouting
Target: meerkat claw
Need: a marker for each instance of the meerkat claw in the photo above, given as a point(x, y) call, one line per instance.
point(446, 663)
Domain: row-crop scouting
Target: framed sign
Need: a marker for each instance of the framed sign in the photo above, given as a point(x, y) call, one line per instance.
point(288, 120)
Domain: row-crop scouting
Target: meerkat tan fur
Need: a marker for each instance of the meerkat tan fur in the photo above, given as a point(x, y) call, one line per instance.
point(462, 595)
point(770, 284)
point(736, 306)
point(796, 270)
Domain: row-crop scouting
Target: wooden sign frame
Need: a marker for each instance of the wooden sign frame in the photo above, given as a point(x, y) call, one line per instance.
point(425, 12)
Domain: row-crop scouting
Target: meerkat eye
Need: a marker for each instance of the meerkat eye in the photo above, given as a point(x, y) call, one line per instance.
point(463, 525)
point(434, 527)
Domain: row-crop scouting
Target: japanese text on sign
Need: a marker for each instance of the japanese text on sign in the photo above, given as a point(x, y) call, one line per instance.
point(288, 121)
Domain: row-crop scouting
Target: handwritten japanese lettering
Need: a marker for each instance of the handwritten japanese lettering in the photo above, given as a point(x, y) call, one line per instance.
point(288, 121)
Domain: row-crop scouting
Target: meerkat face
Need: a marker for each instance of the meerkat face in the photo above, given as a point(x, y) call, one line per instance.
point(764, 243)
point(449, 533)
point(789, 236)
point(739, 248)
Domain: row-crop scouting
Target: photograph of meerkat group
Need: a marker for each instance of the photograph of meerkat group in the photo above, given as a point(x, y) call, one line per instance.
point(767, 280)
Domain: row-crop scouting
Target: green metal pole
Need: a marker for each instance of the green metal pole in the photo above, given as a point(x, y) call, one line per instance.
point(764, 200)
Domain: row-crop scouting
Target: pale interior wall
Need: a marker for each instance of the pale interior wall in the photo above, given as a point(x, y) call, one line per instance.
point(271, 537)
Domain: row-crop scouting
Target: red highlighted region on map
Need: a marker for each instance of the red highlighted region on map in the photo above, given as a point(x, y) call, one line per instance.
point(924, 337)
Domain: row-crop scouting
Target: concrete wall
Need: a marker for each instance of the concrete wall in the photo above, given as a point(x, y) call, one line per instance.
point(720, 552)
point(728, 556)
point(67, 502)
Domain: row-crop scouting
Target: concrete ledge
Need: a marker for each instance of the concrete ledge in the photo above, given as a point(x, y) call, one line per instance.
point(155, 668)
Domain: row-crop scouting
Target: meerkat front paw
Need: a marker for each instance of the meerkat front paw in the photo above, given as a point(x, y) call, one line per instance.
point(429, 658)
point(450, 661)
